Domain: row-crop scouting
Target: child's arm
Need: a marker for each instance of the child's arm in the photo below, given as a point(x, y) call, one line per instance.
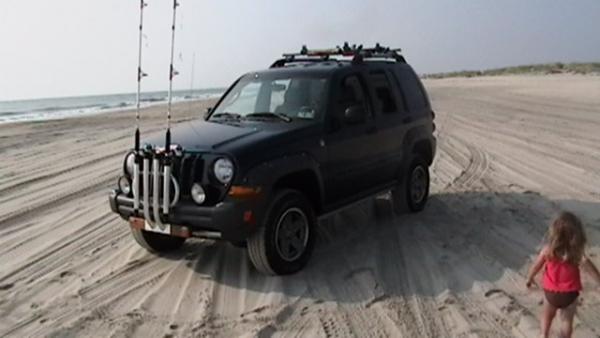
point(589, 266)
point(537, 266)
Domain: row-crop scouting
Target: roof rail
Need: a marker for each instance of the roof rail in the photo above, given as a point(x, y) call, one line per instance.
point(357, 53)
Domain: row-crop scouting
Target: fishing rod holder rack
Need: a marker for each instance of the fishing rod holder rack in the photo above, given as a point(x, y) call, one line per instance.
point(153, 170)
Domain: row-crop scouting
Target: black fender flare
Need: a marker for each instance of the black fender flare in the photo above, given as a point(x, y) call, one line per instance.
point(415, 136)
point(268, 173)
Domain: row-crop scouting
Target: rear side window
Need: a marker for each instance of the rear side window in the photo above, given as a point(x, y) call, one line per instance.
point(415, 98)
point(384, 97)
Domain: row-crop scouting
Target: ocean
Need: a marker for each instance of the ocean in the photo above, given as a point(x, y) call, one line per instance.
point(56, 108)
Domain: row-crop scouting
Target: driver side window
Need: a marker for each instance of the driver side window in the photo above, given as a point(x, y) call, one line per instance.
point(351, 93)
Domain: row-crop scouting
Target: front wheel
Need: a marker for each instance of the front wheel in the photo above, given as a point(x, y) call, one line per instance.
point(155, 242)
point(240, 244)
point(413, 191)
point(284, 242)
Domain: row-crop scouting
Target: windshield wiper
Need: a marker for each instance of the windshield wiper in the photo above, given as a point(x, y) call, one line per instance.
point(227, 115)
point(269, 114)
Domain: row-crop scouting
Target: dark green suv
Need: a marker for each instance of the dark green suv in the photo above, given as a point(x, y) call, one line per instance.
point(317, 131)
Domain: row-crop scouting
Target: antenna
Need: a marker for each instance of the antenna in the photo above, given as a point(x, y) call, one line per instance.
point(172, 73)
point(140, 75)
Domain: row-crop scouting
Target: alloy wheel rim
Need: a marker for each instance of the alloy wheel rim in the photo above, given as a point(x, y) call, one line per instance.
point(418, 184)
point(291, 235)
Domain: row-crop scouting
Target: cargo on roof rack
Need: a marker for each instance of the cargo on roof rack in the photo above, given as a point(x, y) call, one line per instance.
point(354, 53)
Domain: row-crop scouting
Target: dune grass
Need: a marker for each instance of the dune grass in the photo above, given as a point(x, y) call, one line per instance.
point(592, 68)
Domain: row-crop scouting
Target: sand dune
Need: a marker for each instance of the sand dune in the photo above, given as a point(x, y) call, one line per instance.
point(512, 152)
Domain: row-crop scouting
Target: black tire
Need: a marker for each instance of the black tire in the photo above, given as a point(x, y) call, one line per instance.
point(405, 196)
point(290, 222)
point(155, 242)
point(240, 244)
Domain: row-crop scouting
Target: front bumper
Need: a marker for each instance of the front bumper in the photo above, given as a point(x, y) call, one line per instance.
point(234, 220)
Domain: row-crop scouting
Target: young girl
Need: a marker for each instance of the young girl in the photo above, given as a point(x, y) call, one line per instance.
point(562, 256)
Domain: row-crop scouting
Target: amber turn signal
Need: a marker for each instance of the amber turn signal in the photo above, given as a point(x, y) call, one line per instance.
point(244, 192)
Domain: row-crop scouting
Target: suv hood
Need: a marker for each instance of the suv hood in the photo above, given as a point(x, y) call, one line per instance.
point(207, 136)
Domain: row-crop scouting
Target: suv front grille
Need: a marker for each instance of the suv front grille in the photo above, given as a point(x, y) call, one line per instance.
point(188, 169)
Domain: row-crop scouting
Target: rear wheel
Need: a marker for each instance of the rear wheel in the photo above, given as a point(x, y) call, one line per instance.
point(283, 244)
point(412, 193)
point(155, 242)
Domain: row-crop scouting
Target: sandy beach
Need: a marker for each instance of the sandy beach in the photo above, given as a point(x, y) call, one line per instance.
point(512, 152)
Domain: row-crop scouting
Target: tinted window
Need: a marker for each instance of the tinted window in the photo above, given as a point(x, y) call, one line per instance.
point(350, 94)
point(384, 97)
point(415, 99)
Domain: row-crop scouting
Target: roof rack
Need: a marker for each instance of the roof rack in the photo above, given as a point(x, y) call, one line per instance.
point(357, 53)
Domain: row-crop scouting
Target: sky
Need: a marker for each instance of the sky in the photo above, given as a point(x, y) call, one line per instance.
point(84, 47)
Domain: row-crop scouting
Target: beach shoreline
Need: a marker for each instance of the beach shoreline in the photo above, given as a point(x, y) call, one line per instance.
point(44, 109)
point(152, 118)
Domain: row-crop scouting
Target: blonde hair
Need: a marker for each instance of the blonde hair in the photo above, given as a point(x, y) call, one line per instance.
point(566, 238)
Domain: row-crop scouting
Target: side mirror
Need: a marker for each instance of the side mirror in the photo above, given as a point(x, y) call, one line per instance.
point(207, 112)
point(355, 114)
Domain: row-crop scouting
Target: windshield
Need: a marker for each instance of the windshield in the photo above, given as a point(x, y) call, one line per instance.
point(283, 98)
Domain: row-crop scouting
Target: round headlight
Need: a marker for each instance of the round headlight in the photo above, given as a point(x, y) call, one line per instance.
point(223, 170)
point(129, 162)
point(124, 185)
point(198, 194)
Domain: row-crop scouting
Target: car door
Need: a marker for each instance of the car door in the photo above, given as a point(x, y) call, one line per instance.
point(390, 112)
point(348, 144)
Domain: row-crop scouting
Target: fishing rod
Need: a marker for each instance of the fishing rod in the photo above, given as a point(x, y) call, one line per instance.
point(172, 74)
point(140, 75)
point(167, 155)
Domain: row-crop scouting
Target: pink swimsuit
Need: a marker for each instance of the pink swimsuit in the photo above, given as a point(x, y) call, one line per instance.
point(561, 276)
point(561, 283)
